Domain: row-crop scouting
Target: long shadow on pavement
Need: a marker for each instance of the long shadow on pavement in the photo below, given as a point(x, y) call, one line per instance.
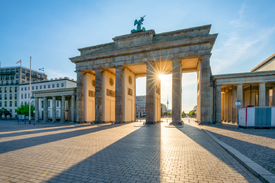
point(262, 155)
point(33, 141)
point(201, 138)
point(134, 158)
point(40, 130)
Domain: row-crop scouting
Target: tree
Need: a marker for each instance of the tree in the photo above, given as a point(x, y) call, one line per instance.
point(24, 110)
point(183, 113)
point(5, 112)
point(191, 113)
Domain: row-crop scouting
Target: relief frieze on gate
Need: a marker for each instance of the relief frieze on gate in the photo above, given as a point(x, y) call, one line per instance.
point(110, 93)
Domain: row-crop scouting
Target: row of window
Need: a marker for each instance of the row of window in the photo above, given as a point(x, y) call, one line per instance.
point(9, 77)
point(44, 86)
point(6, 96)
point(6, 103)
point(7, 82)
point(10, 89)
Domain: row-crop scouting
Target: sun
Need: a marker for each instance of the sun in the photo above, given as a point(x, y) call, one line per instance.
point(161, 76)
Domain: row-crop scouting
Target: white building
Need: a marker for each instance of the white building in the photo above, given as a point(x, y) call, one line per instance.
point(141, 106)
point(53, 84)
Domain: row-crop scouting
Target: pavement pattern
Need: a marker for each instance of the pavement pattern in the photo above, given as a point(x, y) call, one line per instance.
point(114, 153)
point(256, 144)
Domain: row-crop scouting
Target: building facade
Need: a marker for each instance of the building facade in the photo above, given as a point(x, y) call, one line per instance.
point(48, 86)
point(11, 78)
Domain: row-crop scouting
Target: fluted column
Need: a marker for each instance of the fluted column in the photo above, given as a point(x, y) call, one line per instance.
point(73, 108)
point(262, 94)
point(229, 105)
point(267, 96)
point(234, 108)
point(176, 91)
point(226, 105)
point(240, 94)
point(98, 95)
point(119, 95)
point(36, 109)
point(53, 109)
point(62, 117)
point(45, 109)
point(218, 104)
point(80, 98)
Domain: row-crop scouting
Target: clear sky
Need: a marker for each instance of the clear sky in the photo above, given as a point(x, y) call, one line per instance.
point(51, 31)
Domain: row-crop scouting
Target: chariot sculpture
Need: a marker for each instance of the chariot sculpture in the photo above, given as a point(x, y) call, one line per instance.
point(139, 23)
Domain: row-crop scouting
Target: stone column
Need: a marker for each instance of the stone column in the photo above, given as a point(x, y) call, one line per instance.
point(176, 91)
point(72, 108)
point(222, 106)
point(230, 105)
point(79, 98)
point(240, 94)
point(262, 94)
point(234, 108)
point(267, 96)
point(98, 95)
point(151, 82)
point(54, 109)
point(119, 95)
point(45, 109)
point(36, 109)
point(205, 98)
point(218, 93)
point(62, 114)
point(226, 105)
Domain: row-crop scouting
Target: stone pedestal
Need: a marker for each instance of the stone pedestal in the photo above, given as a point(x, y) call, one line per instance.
point(218, 104)
point(98, 95)
point(80, 98)
point(176, 92)
point(53, 109)
point(119, 95)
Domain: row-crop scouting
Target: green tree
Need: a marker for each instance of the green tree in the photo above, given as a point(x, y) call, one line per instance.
point(24, 110)
point(5, 112)
point(191, 113)
point(183, 113)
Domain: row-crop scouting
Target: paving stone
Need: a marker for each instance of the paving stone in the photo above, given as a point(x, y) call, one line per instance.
point(114, 153)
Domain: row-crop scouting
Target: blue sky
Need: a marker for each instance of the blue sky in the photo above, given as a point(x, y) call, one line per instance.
point(51, 32)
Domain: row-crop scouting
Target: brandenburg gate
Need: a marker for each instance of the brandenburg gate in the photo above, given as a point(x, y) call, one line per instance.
point(106, 74)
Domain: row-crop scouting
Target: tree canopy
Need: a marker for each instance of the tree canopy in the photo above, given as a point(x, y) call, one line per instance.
point(24, 110)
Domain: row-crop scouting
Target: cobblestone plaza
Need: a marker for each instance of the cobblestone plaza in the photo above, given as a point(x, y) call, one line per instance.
point(114, 153)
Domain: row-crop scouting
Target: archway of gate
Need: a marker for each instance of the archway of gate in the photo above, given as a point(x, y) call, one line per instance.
point(111, 69)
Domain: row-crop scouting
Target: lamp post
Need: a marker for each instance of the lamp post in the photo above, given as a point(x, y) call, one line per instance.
point(30, 90)
point(34, 115)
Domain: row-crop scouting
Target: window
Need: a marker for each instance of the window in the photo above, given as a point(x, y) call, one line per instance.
point(22, 89)
point(0, 90)
point(17, 69)
point(23, 70)
point(57, 85)
point(15, 96)
point(10, 89)
point(32, 87)
point(49, 86)
point(44, 86)
point(10, 103)
point(5, 89)
point(6, 97)
point(17, 82)
point(62, 84)
point(42, 104)
point(7, 82)
point(23, 76)
point(25, 95)
point(0, 103)
point(5, 103)
point(15, 89)
point(12, 77)
point(21, 96)
point(28, 79)
point(10, 96)
point(7, 77)
point(15, 103)
point(40, 87)
point(28, 95)
point(57, 103)
point(29, 88)
point(25, 88)
point(49, 103)
point(0, 96)
point(23, 81)
point(17, 75)
point(53, 85)
point(36, 87)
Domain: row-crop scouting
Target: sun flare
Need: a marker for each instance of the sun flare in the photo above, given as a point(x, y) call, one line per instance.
point(161, 76)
